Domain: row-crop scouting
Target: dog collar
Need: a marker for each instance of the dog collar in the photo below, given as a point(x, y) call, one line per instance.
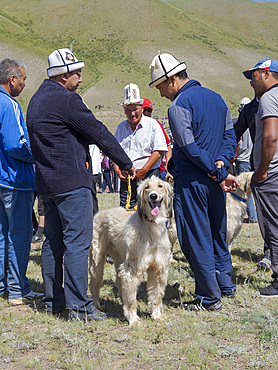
point(238, 197)
point(147, 218)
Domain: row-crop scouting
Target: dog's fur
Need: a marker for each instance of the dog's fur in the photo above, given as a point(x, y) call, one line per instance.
point(236, 208)
point(137, 242)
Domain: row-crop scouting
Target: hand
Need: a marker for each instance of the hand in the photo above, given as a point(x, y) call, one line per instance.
point(258, 176)
point(131, 172)
point(141, 174)
point(124, 174)
point(229, 184)
point(219, 164)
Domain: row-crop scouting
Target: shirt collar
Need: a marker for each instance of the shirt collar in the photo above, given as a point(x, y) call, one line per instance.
point(5, 92)
point(140, 124)
point(186, 86)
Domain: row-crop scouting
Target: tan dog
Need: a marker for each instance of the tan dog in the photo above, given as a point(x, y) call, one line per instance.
point(236, 206)
point(137, 242)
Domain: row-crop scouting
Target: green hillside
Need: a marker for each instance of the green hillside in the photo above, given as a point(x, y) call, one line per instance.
point(117, 40)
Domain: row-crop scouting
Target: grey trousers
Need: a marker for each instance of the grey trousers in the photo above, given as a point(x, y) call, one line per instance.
point(266, 199)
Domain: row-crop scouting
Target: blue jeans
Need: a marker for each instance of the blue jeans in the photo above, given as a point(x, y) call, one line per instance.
point(106, 181)
point(251, 210)
point(163, 175)
point(68, 231)
point(16, 231)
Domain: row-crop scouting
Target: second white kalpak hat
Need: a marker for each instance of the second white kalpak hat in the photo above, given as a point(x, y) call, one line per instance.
point(243, 102)
point(132, 95)
point(164, 66)
point(62, 61)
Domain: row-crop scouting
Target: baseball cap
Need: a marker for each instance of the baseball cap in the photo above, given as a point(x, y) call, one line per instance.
point(62, 61)
point(269, 64)
point(147, 104)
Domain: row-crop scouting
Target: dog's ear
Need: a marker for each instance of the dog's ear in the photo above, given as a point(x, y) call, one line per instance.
point(139, 202)
point(140, 209)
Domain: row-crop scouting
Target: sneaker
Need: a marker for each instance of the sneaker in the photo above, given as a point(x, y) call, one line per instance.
point(95, 315)
point(31, 296)
point(109, 259)
point(265, 262)
point(249, 221)
point(271, 290)
point(197, 305)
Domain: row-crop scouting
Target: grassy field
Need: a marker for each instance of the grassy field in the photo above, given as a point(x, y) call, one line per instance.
point(244, 335)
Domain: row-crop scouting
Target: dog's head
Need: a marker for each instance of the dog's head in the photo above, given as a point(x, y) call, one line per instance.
point(155, 197)
point(244, 190)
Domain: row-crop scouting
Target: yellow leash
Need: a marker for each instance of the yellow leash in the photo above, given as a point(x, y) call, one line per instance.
point(128, 198)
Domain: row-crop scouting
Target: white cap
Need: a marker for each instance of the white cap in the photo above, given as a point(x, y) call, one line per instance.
point(243, 102)
point(164, 66)
point(62, 61)
point(132, 95)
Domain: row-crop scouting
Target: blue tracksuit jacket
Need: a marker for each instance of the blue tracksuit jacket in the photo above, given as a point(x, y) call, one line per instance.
point(203, 131)
point(16, 168)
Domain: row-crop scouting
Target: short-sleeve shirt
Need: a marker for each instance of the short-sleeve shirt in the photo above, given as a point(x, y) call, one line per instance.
point(140, 144)
point(268, 107)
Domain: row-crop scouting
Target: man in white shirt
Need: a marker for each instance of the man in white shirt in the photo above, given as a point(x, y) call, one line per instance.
point(143, 141)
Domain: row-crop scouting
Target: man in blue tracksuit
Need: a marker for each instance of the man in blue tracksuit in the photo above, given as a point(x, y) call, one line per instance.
point(17, 185)
point(204, 144)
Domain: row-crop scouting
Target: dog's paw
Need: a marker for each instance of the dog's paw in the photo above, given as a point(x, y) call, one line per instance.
point(158, 317)
point(135, 324)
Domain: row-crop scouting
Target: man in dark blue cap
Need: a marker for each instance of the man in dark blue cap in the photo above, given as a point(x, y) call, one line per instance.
point(264, 77)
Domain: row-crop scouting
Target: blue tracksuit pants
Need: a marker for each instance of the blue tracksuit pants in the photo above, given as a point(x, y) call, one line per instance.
point(200, 212)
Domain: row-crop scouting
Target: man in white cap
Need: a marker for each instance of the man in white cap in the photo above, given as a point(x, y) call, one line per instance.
point(203, 133)
point(142, 139)
point(264, 80)
point(61, 127)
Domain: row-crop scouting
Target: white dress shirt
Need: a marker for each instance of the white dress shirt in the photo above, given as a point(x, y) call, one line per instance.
point(140, 144)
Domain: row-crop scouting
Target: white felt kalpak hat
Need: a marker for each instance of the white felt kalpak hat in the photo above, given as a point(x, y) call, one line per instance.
point(243, 102)
point(62, 61)
point(164, 66)
point(132, 95)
